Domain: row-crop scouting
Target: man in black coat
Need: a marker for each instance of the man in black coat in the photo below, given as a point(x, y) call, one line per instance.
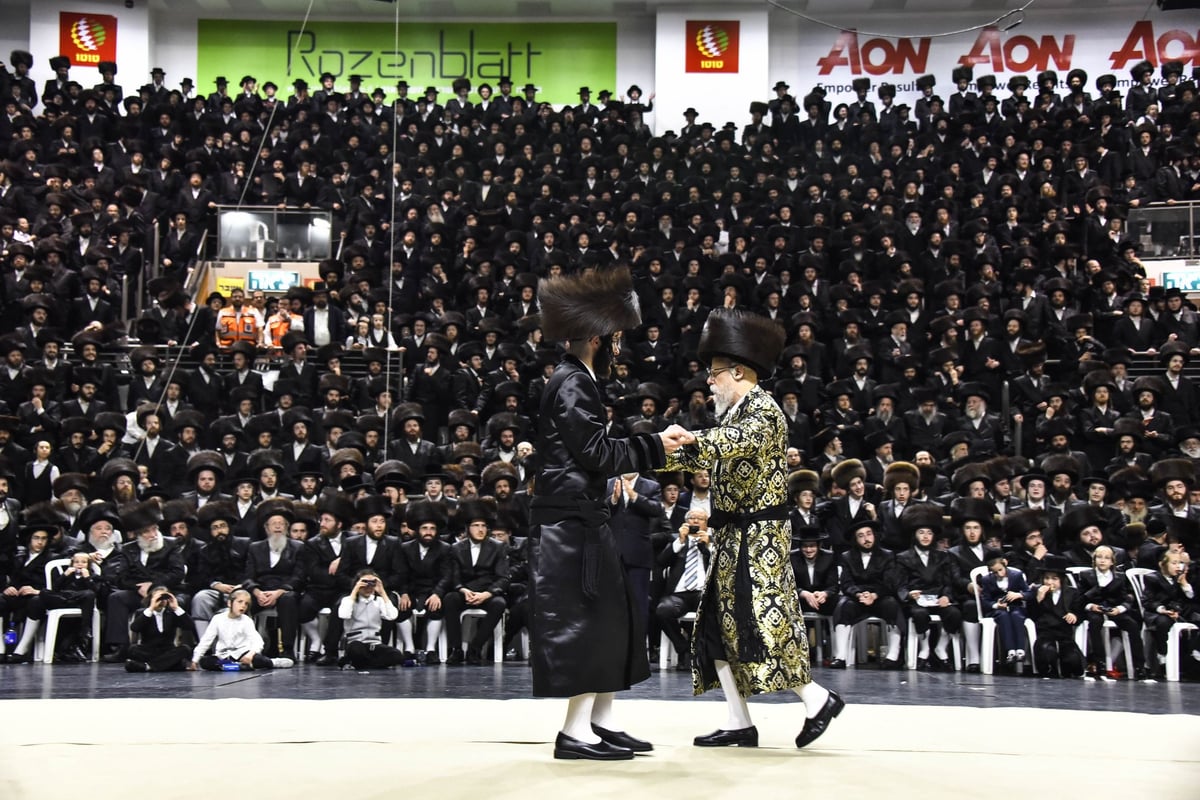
point(220, 566)
point(868, 589)
point(297, 370)
point(425, 574)
point(588, 656)
point(927, 585)
point(155, 561)
point(319, 562)
point(480, 566)
point(274, 573)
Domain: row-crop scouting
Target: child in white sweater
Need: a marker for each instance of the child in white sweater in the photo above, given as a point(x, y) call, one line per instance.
point(235, 639)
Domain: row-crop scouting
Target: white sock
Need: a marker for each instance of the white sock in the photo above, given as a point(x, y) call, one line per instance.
point(739, 712)
point(433, 632)
point(27, 636)
point(312, 633)
point(971, 633)
point(201, 627)
point(923, 650)
point(841, 641)
point(405, 634)
point(578, 724)
point(814, 696)
point(893, 643)
point(602, 711)
point(943, 646)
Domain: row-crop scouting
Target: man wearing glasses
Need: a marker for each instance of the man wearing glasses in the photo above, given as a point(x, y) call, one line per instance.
point(749, 636)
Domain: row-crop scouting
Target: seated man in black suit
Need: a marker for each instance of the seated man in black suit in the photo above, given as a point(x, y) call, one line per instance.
point(424, 575)
point(480, 580)
point(274, 573)
point(686, 561)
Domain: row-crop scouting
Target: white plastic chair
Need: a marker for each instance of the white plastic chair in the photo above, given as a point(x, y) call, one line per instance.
point(497, 632)
point(858, 640)
point(44, 649)
point(955, 642)
point(1137, 576)
point(988, 632)
point(666, 650)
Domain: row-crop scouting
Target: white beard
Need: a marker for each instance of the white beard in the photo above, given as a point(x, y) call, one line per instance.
point(277, 543)
point(722, 400)
point(152, 546)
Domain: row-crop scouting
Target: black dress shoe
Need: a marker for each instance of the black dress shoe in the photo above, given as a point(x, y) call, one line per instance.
point(568, 747)
point(890, 664)
point(432, 659)
point(973, 669)
point(622, 739)
point(113, 657)
point(327, 660)
point(743, 737)
point(20, 658)
point(474, 657)
point(312, 656)
point(922, 665)
point(136, 666)
point(455, 657)
point(837, 663)
point(813, 728)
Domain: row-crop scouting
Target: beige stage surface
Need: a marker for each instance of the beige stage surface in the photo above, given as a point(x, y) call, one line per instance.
point(486, 750)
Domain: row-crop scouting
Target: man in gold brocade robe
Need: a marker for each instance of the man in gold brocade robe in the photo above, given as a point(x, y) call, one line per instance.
point(749, 636)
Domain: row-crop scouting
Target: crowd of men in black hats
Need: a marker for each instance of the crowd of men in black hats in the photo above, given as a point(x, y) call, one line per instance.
point(927, 261)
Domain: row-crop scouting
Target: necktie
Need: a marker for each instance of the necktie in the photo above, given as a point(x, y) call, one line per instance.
point(693, 570)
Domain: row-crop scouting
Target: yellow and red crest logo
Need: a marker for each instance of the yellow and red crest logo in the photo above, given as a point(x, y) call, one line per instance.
point(87, 39)
point(712, 46)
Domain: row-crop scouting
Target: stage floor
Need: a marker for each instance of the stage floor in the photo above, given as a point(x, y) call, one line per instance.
point(444, 733)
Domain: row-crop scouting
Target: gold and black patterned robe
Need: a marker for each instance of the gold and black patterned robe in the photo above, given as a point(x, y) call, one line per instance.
point(745, 454)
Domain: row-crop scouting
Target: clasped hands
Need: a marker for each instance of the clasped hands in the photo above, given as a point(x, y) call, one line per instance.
point(675, 437)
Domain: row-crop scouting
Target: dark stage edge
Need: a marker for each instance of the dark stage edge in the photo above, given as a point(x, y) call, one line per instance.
point(512, 681)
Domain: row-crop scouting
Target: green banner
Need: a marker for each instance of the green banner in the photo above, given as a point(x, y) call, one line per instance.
point(558, 58)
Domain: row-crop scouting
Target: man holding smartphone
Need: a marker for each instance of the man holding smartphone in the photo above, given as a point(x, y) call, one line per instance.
point(686, 561)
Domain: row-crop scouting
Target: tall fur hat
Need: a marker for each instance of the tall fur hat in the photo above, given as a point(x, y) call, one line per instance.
point(1075, 520)
point(921, 515)
point(1017, 524)
point(211, 512)
point(276, 505)
point(803, 479)
point(742, 336)
point(901, 472)
point(373, 505)
point(421, 511)
point(206, 459)
point(845, 471)
point(338, 505)
point(136, 516)
point(1173, 469)
point(593, 303)
point(971, 509)
point(967, 474)
point(477, 508)
point(1061, 464)
point(497, 470)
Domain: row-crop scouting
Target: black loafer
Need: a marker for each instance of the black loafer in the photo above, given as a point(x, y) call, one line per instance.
point(837, 663)
point(743, 737)
point(973, 669)
point(327, 660)
point(890, 664)
point(568, 747)
point(922, 665)
point(622, 739)
point(20, 658)
point(813, 728)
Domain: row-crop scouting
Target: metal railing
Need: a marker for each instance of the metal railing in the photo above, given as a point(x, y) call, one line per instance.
point(1165, 231)
point(271, 234)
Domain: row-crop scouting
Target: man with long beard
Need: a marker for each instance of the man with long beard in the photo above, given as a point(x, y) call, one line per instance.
point(597, 647)
point(749, 636)
point(154, 561)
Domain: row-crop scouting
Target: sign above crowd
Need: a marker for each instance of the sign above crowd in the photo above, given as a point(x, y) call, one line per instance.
point(558, 58)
